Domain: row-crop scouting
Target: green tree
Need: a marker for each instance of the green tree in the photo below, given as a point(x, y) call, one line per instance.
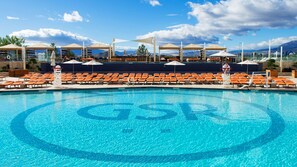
point(11, 40)
point(55, 47)
point(271, 64)
point(142, 50)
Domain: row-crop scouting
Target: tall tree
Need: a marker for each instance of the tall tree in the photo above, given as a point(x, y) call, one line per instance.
point(11, 40)
point(142, 50)
point(55, 47)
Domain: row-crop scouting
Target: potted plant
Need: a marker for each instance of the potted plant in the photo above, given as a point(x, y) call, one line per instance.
point(294, 72)
point(271, 68)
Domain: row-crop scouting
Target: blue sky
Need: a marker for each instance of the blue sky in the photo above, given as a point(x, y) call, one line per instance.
point(227, 23)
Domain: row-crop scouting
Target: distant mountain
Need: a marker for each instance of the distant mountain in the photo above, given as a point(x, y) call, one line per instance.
point(289, 47)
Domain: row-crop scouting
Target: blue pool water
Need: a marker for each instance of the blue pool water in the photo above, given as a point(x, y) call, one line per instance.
point(148, 127)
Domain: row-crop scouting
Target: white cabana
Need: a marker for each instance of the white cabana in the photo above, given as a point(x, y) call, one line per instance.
point(215, 47)
point(169, 46)
point(41, 46)
point(72, 47)
point(193, 47)
point(12, 47)
point(212, 47)
point(100, 46)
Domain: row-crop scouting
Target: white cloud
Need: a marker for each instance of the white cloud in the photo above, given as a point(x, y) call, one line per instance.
point(154, 2)
point(234, 17)
point(12, 18)
point(72, 17)
point(274, 43)
point(227, 37)
point(49, 35)
point(51, 19)
point(172, 14)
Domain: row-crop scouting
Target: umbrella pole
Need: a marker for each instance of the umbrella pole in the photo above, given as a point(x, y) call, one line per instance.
point(247, 69)
point(72, 68)
point(92, 69)
point(174, 69)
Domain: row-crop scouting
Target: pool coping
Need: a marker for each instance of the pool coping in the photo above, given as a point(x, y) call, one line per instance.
point(92, 87)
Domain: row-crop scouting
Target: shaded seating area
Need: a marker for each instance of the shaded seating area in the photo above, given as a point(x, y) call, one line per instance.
point(193, 47)
point(170, 46)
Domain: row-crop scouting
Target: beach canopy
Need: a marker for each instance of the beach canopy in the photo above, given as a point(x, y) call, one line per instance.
point(223, 54)
point(247, 63)
point(174, 63)
point(40, 46)
point(10, 47)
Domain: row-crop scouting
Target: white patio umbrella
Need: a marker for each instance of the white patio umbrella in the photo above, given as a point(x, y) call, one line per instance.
point(223, 54)
point(93, 63)
point(72, 62)
point(53, 58)
point(248, 62)
point(174, 63)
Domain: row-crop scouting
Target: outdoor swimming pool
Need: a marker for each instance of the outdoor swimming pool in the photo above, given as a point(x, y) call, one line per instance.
point(148, 127)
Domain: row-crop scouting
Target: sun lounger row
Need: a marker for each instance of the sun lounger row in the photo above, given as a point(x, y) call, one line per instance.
point(157, 78)
point(24, 84)
point(21, 84)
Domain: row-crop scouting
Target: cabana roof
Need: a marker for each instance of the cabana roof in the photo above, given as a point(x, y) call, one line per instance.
point(10, 47)
point(192, 47)
point(99, 46)
point(40, 46)
point(215, 47)
point(72, 46)
point(169, 46)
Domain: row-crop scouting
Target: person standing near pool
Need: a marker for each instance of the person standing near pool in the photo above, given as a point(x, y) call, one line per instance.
point(226, 68)
point(226, 74)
